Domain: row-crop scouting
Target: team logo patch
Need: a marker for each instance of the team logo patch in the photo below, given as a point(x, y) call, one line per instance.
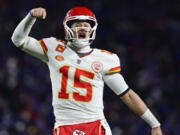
point(60, 48)
point(59, 58)
point(78, 132)
point(97, 66)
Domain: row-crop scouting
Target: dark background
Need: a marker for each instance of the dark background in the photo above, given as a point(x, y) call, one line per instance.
point(144, 33)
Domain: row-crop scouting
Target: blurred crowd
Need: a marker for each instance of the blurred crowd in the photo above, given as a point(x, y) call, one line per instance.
point(144, 33)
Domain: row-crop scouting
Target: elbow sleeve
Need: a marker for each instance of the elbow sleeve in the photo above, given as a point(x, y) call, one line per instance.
point(116, 82)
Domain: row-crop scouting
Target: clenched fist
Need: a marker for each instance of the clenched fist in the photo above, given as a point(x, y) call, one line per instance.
point(39, 13)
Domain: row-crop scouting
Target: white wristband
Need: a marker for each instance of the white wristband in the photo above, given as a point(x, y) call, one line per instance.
point(150, 119)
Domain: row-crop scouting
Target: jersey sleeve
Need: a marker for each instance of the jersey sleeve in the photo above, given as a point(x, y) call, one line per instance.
point(32, 47)
point(117, 83)
point(112, 65)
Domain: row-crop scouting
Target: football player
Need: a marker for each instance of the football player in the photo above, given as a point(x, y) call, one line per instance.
point(78, 73)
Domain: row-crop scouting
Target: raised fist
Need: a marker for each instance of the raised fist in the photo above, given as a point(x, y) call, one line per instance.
point(39, 12)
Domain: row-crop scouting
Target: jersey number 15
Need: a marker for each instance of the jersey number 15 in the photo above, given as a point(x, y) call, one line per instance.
point(77, 83)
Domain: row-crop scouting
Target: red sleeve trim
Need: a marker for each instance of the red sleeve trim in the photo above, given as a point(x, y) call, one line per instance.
point(44, 46)
point(114, 70)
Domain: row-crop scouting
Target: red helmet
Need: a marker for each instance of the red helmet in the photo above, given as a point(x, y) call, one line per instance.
point(79, 13)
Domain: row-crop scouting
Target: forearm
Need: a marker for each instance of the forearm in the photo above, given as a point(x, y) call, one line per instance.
point(135, 103)
point(22, 30)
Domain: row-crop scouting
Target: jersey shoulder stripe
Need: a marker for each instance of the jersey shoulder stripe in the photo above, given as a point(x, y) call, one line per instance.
point(44, 47)
point(114, 70)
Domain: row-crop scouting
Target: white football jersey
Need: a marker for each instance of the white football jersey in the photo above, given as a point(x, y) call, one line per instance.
point(77, 82)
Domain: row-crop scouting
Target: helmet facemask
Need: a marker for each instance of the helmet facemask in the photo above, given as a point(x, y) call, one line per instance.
point(80, 36)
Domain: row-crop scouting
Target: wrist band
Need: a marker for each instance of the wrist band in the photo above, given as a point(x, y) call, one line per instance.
point(150, 119)
point(31, 13)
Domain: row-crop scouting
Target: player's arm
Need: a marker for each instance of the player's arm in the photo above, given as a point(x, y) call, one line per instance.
point(135, 103)
point(117, 83)
point(21, 38)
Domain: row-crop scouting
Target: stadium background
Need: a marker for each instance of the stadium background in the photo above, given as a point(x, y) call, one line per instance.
point(146, 36)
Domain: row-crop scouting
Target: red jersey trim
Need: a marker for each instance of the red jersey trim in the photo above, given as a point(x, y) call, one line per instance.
point(43, 45)
point(114, 70)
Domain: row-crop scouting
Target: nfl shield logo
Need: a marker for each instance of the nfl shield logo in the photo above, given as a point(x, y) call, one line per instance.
point(78, 61)
point(78, 132)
